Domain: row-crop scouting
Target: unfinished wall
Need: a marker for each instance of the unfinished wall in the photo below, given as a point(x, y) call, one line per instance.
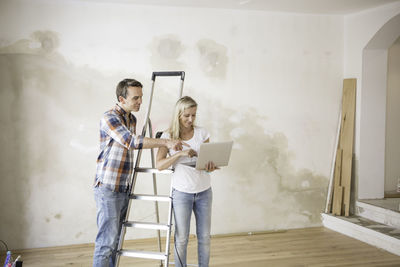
point(269, 81)
point(392, 144)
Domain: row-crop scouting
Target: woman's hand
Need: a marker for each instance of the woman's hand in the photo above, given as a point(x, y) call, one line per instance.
point(210, 167)
point(189, 153)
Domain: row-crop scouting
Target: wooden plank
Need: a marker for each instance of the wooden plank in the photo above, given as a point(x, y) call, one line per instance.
point(338, 201)
point(337, 195)
point(347, 138)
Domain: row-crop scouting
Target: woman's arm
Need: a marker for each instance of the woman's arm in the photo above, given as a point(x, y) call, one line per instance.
point(163, 162)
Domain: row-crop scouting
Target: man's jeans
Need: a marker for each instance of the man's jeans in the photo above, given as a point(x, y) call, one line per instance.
point(183, 204)
point(111, 211)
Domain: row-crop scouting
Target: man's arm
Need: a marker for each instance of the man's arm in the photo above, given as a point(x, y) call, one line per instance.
point(114, 127)
point(160, 142)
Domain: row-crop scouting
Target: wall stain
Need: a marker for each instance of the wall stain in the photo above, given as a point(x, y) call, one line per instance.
point(58, 216)
point(261, 172)
point(166, 52)
point(44, 43)
point(43, 102)
point(213, 58)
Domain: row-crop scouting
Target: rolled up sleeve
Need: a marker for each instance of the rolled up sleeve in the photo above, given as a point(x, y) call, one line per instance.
point(113, 126)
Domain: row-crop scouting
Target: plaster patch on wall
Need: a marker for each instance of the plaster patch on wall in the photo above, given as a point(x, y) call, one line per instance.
point(43, 43)
point(213, 58)
point(237, 132)
point(234, 30)
point(47, 41)
point(166, 52)
point(261, 173)
point(78, 235)
point(43, 105)
point(82, 147)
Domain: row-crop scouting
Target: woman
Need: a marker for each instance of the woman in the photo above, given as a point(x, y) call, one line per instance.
point(191, 188)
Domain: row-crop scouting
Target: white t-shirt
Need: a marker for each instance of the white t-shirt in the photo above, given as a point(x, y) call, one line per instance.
point(187, 179)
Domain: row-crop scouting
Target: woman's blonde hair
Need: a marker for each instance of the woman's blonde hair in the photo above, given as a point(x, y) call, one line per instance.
point(182, 104)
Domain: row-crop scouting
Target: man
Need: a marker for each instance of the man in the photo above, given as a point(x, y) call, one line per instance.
point(118, 140)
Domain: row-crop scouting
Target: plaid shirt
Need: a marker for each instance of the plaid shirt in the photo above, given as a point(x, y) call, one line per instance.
point(118, 139)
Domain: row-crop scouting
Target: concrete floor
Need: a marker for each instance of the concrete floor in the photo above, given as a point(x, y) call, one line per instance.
point(387, 203)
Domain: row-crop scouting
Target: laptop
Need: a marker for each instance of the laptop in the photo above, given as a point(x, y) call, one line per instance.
point(217, 152)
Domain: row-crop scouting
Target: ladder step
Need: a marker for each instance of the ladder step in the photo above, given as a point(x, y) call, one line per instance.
point(151, 197)
point(143, 254)
point(147, 225)
point(153, 170)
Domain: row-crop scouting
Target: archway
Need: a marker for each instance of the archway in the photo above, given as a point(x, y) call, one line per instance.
point(371, 171)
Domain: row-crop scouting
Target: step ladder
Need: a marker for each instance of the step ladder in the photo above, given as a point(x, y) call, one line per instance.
point(161, 255)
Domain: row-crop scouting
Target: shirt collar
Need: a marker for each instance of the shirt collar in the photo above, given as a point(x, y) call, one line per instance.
point(123, 113)
point(120, 110)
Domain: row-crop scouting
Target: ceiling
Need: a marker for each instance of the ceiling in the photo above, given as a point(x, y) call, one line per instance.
point(296, 6)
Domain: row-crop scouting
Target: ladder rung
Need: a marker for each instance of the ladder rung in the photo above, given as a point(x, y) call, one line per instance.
point(147, 225)
point(151, 197)
point(143, 254)
point(153, 170)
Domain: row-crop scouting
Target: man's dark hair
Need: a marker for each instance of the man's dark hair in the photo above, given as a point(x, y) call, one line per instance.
point(123, 85)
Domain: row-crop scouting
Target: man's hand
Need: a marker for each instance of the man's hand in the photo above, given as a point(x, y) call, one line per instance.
point(175, 144)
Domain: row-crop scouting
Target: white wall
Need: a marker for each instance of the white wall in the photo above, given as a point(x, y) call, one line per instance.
point(365, 58)
point(392, 146)
point(270, 81)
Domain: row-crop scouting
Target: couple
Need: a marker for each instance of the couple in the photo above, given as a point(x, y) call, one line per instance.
point(191, 187)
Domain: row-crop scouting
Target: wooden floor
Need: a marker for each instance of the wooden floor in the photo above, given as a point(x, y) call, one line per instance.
point(300, 247)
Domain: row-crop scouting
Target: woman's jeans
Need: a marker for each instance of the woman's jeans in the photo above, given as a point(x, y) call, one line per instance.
point(183, 204)
point(111, 212)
